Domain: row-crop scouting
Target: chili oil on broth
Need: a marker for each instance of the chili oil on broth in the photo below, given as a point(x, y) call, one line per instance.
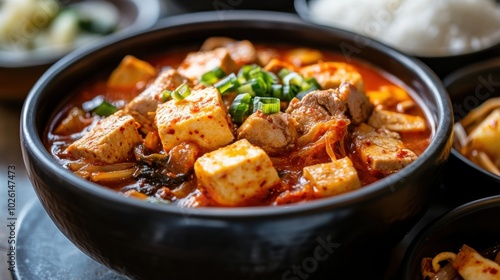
point(290, 171)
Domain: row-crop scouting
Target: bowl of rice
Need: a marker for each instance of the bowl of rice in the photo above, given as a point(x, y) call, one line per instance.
point(444, 34)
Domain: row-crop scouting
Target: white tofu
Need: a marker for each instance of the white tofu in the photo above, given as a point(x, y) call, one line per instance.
point(336, 177)
point(398, 122)
point(110, 141)
point(485, 136)
point(198, 63)
point(200, 118)
point(237, 174)
point(131, 71)
point(472, 266)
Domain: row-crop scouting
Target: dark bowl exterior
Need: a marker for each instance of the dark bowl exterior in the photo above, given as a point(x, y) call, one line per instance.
point(469, 87)
point(474, 224)
point(322, 238)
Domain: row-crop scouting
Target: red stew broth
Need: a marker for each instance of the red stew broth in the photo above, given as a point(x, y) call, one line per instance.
point(373, 79)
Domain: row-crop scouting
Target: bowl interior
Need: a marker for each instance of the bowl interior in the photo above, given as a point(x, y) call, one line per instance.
point(469, 87)
point(262, 27)
point(471, 224)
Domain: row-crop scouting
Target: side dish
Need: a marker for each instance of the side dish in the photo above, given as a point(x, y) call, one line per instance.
point(478, 133)
point(47, 26)
point(446, 27)
point(239, 123)
point(467, 264)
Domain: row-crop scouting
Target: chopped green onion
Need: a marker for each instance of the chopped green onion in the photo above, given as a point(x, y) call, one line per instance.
point(213, 76)
point(245, 72)
point(277, 91)
point(309, 85)
point(283, 72)
point(240, 107)
point(255, 86)
point(229, 83)
point(267, 105)
point(99, 106)
point(166, 95)
point(181, 92)
point(105, 109)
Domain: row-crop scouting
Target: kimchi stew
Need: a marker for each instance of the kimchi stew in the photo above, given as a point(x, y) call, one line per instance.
point(239, 123)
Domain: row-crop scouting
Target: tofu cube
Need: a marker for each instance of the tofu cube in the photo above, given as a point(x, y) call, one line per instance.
point(198, 63)
point(485, 136)
point(398, 122)
point(237, 174)
point(131, 71)
point(336, 177)
point(110, 141)
point(200, 118)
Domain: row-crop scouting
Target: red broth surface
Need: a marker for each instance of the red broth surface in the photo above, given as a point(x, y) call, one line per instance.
point(186, 191)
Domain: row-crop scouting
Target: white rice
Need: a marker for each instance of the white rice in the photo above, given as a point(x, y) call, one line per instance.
point(417, 27)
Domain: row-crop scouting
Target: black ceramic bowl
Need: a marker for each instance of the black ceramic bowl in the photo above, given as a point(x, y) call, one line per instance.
point(19, 73)
point(442, 65)
point(224, 7)
point(469, 87)
point(327, 237)
point(474, 224)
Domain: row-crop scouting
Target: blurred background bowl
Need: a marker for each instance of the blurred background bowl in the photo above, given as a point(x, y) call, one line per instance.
point(475, 224)
point(19, 69)
point(442, 61)
point(469, 87)
point(145, 240)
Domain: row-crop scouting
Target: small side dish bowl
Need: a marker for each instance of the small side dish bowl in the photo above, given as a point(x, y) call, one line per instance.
point(472, 224)
point(455, 33)
point(20, 68)
point(323, 238)
point(469, 87)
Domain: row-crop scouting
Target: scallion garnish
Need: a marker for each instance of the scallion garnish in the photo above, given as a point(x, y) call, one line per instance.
point(99, 106)
point(240, 108)
point(181, 92)
point(166, 95)
point(227, 84)
point(213, 76)
point(267, 105)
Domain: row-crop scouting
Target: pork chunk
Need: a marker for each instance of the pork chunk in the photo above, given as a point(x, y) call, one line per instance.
point(200, 118)
point(237, 174)
point(275, 133)
point(382, 150)
point(198, 63)
point(336, 177)
point(143, 106)
point(398, 122)
point(242, 52)
point(110, 141)
point(343, 102)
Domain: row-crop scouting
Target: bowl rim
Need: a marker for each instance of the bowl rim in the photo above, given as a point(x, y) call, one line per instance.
point(303, 10)
point(465, 72)
point(31, 142)
point(441, 221)
point(148, 13)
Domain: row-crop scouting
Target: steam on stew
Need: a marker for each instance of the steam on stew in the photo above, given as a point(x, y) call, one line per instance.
point(237, 123)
